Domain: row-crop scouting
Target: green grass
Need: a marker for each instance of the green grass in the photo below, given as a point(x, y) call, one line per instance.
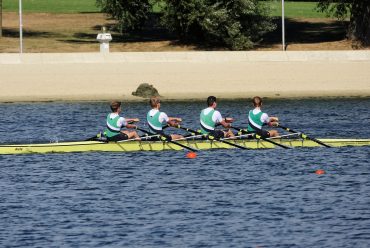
point(51, 6)
point(292, 9)
point(296, 9)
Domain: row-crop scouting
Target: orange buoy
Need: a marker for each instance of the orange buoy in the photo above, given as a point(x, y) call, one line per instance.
point(191, 155)
point(320, 172)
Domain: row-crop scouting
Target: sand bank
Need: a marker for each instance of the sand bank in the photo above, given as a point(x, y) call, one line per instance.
point(184, 75)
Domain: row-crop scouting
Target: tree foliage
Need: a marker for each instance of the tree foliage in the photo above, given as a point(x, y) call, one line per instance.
point(359, 12)
point(339, 9)
point(1, 18)
point(236, 24)
point(130, 14)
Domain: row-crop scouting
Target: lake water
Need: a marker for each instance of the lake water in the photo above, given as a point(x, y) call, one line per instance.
point(223, 198)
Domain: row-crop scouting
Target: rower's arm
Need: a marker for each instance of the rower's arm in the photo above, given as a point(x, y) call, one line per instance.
point(130, 120)
point(173, 122)
point(274, 119)
point(131, 126)
point(225, 124)
point(175, 119)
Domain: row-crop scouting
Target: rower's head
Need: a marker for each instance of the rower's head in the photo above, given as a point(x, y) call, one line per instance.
point(257, 101)
point(115, 106)
point(155, 102)
point(212, 101)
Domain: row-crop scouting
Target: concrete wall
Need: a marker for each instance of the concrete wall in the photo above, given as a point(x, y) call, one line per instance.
point(184, 75)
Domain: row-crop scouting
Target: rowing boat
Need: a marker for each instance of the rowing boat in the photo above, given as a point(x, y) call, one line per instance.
point(134, 146)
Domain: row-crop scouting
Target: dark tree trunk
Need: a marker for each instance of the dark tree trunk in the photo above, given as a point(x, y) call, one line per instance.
point(359, 28)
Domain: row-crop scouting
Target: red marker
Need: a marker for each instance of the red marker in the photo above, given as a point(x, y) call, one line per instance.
point(320, 172)
point(191, 155)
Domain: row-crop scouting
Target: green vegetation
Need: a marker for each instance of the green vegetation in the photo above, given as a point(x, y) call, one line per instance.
point(292, 9)
point(359, 22)
point(130, 14)
point(52, 6)
point(233, 24)
point(296, 9)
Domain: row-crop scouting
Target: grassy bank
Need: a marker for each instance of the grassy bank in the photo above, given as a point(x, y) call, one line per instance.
point(52, 6)
point(296, 9)
point(292, 9)
point(72, 26)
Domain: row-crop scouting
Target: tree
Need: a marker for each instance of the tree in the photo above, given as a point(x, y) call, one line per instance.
point(359, 12)
point(236, 24)
point(130, 14)
point(1, 18)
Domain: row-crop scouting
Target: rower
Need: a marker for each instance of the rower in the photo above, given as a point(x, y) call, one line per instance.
point(115, 122)
point(157, 119)
point(257, 119)
point(210, 117)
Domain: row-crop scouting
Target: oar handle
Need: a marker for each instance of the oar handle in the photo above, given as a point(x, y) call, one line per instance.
point(163, 138)
point(189, 130)
point(193, 132)
point(286, 129)
point(240, 130)
point(304, 136)
point(212, 138)
point(143, 130)
point(257, 136)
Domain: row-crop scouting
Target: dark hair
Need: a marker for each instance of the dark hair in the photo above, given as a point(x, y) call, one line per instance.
point(257, 101)
point(115, 105)
point(211, 100)
point(154, 100)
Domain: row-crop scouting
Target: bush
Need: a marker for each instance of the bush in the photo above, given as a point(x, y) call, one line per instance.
point(130, 14)
point(235, 24)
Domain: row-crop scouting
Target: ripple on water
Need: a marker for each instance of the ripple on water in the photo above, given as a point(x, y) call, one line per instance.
point(225, 198)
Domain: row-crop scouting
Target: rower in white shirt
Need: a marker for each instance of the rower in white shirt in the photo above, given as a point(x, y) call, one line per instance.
point(210, 118)
point(257, 119)
point(157, 120)
point(115, 123)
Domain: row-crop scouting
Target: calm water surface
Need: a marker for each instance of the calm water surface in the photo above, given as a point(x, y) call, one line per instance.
point(223, 198)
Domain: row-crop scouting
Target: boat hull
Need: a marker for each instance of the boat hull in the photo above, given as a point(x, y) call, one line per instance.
point(132, 146)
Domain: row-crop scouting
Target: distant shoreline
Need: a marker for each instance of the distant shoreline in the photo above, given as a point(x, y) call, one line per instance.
point(181, 76)
point(138, 99)
point(145, 100)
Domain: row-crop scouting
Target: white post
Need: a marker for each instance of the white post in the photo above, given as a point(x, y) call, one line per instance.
point(20, 28)
point(104, 38)
point(283, 23)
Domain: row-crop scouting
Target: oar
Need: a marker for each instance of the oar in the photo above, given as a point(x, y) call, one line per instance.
point(260, 137)
point(165, 139)
point(142, 138)
point(304, 136)
point(211, 137)
point(95, 138)
point(99, 135)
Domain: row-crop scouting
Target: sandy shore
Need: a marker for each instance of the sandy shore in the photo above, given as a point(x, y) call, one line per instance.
point(184, 75)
